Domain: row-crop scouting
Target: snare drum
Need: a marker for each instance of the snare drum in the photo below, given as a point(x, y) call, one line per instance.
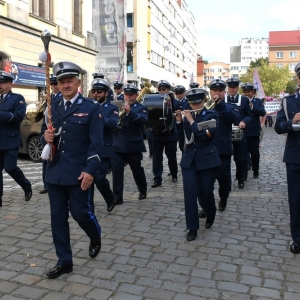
point(160, 111)
point(237, 134)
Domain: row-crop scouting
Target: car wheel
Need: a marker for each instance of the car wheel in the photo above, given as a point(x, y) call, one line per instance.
point(34, 149)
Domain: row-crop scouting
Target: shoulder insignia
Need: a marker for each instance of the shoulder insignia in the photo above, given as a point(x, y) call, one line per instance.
point(79, 101)
point(134, 105)
point(204, 113)
point(105, 105)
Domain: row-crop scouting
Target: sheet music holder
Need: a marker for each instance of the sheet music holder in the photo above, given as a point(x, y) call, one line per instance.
point(207, 124)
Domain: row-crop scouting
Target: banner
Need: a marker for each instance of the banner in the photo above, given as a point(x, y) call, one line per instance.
point(109, 28)
point(26, 74)
point(257, 84)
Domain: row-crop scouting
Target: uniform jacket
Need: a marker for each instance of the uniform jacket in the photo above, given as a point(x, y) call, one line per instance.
point(79, 145)
point(120, 97)
point(129, 133)
point(110, 118)
point(202, 151)
point(110, 96)
point(181, 105)
point(282, 125)
point(228, 114)
point(258, 110)
point(12, 112)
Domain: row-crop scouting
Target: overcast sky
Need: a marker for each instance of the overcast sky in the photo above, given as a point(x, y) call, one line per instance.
point(222, 23)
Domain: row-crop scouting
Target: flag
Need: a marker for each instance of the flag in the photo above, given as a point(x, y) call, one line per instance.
point(192, 78)
point(257, 84)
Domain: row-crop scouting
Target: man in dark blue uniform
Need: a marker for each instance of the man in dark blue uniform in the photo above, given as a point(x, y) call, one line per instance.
point(242, 103)
point(74, 165)
point(129, 144)
point(55, 95)
point(12, 112)
point(180, 104)
point(110, 96)
point(118, 90)
point(288, 122)
point(110, 114)
point(200, 161)
point(228, 114)
point(254, 127)
point(164, 139)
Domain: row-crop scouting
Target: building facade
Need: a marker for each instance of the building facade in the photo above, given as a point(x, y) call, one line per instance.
point(284, 48)
point(216, 70)
point(249, 49)
point(161, 42)
point(69, 21)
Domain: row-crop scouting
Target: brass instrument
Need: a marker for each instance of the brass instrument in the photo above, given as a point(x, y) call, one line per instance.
point(210, 103)
point(35, 112)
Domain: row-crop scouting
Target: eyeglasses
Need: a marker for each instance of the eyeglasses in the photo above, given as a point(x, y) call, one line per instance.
point(97, 91)
point(162, 90)
point(178, 93)
point(53, 83)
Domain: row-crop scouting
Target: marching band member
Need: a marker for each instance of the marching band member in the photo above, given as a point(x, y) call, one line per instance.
point(194, 85)
point(254, 127)
point(244, 118)
point(12, 112)
point(110, 114)
point(228, 114)
point(118, 90)
point(287, 122)
point(199, 162)
point(110, 96)
point(70, 173)
point(164, 139)
point(129, 144)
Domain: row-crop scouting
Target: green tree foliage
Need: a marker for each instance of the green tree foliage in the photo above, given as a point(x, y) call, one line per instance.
point(205, 61)
point(259, 62)
point(273, 79)
point(291, 86)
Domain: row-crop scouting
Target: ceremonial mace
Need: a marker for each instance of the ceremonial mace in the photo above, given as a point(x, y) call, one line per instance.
point(45, 57)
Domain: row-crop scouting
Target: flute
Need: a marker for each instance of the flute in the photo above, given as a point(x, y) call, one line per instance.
point(193, 110)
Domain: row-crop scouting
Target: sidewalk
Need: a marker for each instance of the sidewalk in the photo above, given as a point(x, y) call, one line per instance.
point(145, 255)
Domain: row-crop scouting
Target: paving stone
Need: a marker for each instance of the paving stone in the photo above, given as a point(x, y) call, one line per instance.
point(263, 292)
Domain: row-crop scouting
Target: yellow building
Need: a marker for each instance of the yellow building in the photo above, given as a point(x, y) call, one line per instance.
point(70, 23)
point(216, 70)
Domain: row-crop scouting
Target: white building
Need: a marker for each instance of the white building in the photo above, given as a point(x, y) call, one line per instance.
point(249, 49)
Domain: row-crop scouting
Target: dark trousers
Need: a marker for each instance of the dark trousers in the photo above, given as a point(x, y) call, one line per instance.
point(8, 162)
point(253, 146)
point(134, 160)
point(198, 183)
point(224, 177)
point(150, 142)
point(65, 199)
point(239, 159)
point(45, 162)
point(102, 182)
point(157, 162)
point(293, 180)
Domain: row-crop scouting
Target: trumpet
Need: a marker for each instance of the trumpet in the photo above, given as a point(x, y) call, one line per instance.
point(211, 103)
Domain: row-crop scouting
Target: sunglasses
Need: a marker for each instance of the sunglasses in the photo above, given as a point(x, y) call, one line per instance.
point(97, 91)
point(178, 93)
point(162, 90)
point(53, 83)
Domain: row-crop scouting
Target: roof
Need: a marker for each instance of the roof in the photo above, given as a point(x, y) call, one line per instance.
point(284, 38)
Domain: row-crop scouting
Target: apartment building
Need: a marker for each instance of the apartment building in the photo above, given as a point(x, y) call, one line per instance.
point(249, 49)
point(70, 23)
point(216, 70)
point(284, 48)
point(161, 42)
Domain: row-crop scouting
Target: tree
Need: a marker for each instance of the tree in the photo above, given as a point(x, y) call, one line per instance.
point(205, 62)
point(273, 79)
point(291, 86)
point(259, 62)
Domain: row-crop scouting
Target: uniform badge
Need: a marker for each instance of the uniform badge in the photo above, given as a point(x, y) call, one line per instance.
point(144, 112)
point(21, 102)
point(100, 116)
point(81, 115)
point(116, 113)
point(134, 105)
point(80, 101)
point(204, 113)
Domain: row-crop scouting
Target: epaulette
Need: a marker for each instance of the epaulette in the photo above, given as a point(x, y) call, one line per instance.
point(91, 100)
point(55, 101)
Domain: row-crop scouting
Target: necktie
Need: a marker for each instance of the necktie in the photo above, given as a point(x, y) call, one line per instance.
point(232, 99)
point(68, 104)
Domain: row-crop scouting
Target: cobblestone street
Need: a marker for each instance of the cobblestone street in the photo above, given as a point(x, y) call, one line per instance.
point(145, 255)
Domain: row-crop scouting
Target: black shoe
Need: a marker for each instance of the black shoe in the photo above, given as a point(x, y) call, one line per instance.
point(142, 196)
point(191, 235)
point(244, 178)
point(28, 195)
point(156, 184)
point(44, 191)
point(222, 205)
point(59, 270)
point(174, 179)
point(208, 223)
point(0, 202)
point(118, 201)
point(248, 167)
point(169, 174)
point(295, 247)
point(202, 214)
point(255, 175)
point(94, 249)
point(108, 171)
point(110, 206)
point(241, 185)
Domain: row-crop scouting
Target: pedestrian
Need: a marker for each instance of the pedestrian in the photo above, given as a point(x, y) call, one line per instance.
point(76, 160)
point(12, 112)
point(288, 122)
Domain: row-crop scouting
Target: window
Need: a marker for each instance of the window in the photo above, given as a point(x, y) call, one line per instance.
point(225, 77)
point(219, 77)
point(292, 67)
point(154, 57)
point(279, 54)
point(130, 20)
point(244, 68)
point(293, 54)
point(219, 71)
point(234, 68)
point(42, 8)
point(77, 19)
point(205, 70)
point(279, 66)
point(211, 78)
point(211, 70)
